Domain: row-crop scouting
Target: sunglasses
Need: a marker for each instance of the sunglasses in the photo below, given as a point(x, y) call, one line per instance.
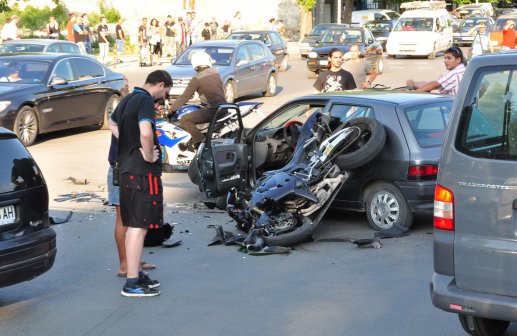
point(454, 50)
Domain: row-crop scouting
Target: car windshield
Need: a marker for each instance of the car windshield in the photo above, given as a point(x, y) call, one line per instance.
point(414, 24)
point(23, 72)
point(10, 48)
point(471, 22)
point(245, 36)
point(378, 26)
point(428, 123)
point(220, 55)
point(499, 24)
point(342, 36)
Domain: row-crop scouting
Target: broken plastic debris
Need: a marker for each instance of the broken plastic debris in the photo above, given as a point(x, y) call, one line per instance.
point(58, 220)
point(77, 181)
point(78, 197)
point(395, 231)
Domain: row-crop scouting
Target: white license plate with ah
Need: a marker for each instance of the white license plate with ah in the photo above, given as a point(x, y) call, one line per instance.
point(324, 62)
point(7, 215)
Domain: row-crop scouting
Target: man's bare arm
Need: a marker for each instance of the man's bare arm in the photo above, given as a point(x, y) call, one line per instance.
point(113, 127)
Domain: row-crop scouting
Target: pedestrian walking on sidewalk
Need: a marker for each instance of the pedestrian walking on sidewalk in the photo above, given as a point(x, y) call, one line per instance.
point(141, 190)
point(104, 45)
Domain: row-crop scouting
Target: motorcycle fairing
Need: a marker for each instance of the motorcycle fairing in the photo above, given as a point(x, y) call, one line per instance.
point(165, 140)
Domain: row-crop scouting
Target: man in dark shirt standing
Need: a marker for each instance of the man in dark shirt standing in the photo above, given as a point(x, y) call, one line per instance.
point(169, 41)
point(119, 41)
point(141, 191)
point(104, 46)
point(209, 85)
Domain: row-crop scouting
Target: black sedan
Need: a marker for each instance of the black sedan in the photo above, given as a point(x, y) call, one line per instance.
point(50, 92)
point(381, 29)
point(390, 189)
point(314, 37)
point(271, 39)
point(344, 38)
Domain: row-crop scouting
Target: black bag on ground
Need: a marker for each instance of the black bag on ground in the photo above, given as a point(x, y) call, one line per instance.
point(155, 237)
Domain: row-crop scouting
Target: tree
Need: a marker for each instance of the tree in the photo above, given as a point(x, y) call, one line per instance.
point(112, 14)
point(306, 7)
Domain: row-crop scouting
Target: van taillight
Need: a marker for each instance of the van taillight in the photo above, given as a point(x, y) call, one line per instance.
point(424, 172)
point(443, 208)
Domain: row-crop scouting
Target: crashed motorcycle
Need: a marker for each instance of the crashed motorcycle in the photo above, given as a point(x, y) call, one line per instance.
point(288, 204)
point(170, 134)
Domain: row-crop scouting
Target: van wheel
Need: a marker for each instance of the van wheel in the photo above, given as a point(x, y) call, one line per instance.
point(379, 66)
point(229, 92)
point(432, 55)
point(385, 206)
point(111, 105)
point(312, 74)
point(26, 125)
point(477, 326)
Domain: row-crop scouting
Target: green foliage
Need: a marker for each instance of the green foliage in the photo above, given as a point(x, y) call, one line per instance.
point(112, 14)
point(33, 18)
point(307, 5)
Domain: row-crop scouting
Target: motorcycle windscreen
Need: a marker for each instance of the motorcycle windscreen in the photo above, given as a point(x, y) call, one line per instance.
point(222, 167)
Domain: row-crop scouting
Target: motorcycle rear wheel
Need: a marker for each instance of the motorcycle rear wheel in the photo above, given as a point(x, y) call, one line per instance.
point(367, 147)
point(299, 235)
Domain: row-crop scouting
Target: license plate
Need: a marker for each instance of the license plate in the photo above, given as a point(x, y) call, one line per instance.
point(7, 215)
point(324, 62)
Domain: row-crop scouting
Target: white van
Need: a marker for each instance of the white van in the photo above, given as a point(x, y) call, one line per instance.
point(420, 32)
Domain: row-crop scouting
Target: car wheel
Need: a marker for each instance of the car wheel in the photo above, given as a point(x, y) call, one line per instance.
point(386, 206)
point(392, 56)
point(26, 125)
point(111, 105)
point(379, 66)
point(432, 55)
point(283, 65)
point(271, 86)
point(229, 92)
point(478, 326)
point(312, 74)
point(304, 57)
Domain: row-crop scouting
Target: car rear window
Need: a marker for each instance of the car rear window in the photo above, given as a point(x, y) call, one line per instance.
point(17, 168)
point(428, 123)
point(20, 48)
point(488, 121)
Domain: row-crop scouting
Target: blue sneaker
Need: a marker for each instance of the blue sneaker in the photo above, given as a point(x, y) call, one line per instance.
point(138, 290)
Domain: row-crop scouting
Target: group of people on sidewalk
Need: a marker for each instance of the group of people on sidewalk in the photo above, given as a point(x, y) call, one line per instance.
point(358, 73)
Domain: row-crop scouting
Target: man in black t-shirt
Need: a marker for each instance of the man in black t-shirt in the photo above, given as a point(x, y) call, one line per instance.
point(335, 78)
point(104, 46)
point(119, 41)
point(141, 191)
point(169, 40)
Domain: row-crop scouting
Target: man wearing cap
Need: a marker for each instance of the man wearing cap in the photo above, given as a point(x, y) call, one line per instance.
point(10, 30)
point(509, 35)
point(449, 82)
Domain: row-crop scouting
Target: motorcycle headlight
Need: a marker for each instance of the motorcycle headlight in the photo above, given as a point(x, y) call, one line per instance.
point(4, 104)
point(313, 54)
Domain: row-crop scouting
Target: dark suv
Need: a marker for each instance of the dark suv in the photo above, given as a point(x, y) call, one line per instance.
point(27, 243)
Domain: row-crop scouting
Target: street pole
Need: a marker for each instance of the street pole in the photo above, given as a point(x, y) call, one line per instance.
point(339, 9)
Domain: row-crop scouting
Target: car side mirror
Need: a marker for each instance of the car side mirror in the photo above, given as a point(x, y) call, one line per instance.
point(58, 81)
point(242, 62)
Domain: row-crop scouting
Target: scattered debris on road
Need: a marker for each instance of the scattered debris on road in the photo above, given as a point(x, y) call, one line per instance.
point(77, 181)
point(79, 197)
point(58, 220)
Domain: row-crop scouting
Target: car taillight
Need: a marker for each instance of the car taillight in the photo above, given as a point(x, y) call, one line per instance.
point(443, 208)
point(424, 172)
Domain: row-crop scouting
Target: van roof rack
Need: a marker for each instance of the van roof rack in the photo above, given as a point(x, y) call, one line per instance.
point(423, 5)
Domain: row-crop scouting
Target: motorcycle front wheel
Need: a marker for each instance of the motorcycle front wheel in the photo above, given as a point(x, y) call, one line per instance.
point(304, 229)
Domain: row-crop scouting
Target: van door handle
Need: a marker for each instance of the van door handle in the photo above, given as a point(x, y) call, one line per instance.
point(514, 204)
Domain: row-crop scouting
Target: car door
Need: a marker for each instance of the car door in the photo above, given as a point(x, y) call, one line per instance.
point(260, 67)
point(223, 163)
point(244, 70)
point(276, 47)
point(59, 109)
point(92, 88)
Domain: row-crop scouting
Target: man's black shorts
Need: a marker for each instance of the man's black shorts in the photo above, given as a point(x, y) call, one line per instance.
point(141, 201)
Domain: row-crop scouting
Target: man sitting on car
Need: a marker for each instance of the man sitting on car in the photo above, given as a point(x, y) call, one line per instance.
point(449, 82)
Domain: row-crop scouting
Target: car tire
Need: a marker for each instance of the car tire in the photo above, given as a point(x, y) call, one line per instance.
point(392, 56)
point(229, 92)
point(312, 74)
point(284, 63)
point(385, 206)
point(379, 66)
point(432, 55)
point(110, 106)
point(365, 149)
point(26, 125)
point(271, 86)
point(483, 326)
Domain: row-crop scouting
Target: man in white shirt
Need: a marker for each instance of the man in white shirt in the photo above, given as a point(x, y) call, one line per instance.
point(10, 30)
point(449, 82)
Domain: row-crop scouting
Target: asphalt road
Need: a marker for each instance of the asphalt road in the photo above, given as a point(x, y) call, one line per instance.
point(321, 288)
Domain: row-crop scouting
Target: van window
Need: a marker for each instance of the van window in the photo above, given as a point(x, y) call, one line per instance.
point(17, 169)
point(416, 24)
point(428, 123)
point(488, 121)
